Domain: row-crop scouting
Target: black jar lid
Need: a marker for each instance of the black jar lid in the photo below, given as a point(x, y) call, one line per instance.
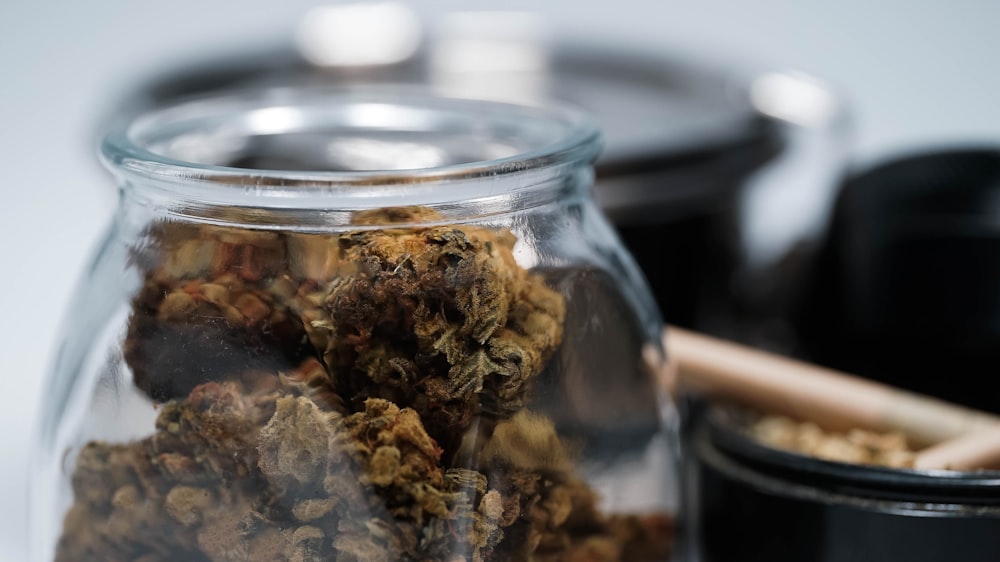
point(906, 291)
point(679, 135)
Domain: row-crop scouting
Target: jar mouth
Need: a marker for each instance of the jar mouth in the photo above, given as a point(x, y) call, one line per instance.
point(294, 144)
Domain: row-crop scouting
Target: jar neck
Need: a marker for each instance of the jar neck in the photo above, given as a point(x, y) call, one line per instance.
point(312, 159)
point(460, 200)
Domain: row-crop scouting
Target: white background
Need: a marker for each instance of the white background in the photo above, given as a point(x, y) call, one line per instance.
point(917, 73)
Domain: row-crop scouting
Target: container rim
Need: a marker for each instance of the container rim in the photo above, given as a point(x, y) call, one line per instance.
point(975, 487)
point(133, 147)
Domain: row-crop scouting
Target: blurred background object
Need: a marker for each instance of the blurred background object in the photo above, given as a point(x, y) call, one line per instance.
point(698, 158)
point(762, 504)
point(908, 290)
point(914, 75)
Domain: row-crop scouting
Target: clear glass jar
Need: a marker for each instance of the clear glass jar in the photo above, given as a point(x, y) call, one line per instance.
point(357, 325)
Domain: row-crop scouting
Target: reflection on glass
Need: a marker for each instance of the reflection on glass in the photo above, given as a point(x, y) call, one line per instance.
point(793, 97)
point(491, 55)
point(359, 33)
point(358, 153)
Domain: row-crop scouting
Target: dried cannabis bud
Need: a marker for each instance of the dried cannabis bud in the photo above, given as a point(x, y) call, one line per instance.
point(438, 318)
point(355, 397)
point(202, 315)
point(441, 319)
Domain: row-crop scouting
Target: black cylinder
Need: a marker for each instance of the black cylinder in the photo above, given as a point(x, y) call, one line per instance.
point(758, 504)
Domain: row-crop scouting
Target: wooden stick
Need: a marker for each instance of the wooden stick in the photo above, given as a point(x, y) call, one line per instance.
point(977, 450)
point(832, 399)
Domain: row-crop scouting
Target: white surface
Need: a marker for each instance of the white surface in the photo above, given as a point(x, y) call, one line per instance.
point(918, 73)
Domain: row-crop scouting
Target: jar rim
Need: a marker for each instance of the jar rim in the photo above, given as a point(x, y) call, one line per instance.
point(150, 148)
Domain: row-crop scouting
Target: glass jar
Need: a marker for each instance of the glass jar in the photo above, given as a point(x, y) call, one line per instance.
point(357, 325)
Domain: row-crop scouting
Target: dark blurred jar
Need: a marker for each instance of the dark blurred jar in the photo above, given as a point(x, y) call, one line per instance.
point(760, 504)
point(718, 179)
point(908, 287)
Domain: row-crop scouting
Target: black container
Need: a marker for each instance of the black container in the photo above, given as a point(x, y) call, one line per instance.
point(908, 292)
point(758, 504)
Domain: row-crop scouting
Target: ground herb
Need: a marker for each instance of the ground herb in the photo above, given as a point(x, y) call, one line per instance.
point(857, 446)
point(359, 397)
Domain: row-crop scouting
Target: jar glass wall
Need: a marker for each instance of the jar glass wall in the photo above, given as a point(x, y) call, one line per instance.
point(356, 325)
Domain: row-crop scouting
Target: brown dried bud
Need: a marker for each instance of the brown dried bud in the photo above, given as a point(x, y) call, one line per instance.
point(186, 504)
point(306, 545)
point(310, 510)
point(527, 442)
point(295, 444)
